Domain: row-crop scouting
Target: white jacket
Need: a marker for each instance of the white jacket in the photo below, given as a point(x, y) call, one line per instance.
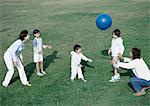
point(15, 50)
point(76, 58)
point(139, 68)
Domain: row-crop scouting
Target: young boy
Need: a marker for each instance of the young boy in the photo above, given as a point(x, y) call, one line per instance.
point(38, 52)
point(76, 57)
point(116, 51)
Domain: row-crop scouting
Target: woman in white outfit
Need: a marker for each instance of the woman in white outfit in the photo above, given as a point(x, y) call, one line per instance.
point(13, 58)
point(141, 81)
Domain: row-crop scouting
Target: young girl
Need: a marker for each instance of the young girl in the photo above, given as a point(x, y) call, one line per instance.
point(13, 58)
point(116, 51)
point(141, 81)
point(76, 57)
point(38, 52)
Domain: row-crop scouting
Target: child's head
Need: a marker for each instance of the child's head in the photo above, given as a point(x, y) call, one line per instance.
point(135, 53)
point(24, 35)
point(36, 33)
point(77, 49)
point(116, 33)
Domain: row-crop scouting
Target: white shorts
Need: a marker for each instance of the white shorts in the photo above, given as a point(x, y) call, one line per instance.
point(38, 58)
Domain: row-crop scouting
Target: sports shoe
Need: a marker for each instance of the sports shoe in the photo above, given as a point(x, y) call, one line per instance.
point(43, 72)
point(39, 74)
point(84, 80)
point(114, 79)
point(4, 85)
point(28, 84)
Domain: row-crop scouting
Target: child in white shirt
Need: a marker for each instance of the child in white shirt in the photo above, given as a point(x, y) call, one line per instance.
point(116, 51)
point(38, 52)
point(76, 57)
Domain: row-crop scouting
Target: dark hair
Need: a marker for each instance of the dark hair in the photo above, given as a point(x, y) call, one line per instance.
point(36, 31)
point(76, 47)
point(136, 53)
point(117, 32)
point(23, 34)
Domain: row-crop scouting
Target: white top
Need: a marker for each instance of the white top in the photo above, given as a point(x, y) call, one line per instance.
point(139, 68)
point(15, 49)
point(38, 45)
point(76, 58)
point(117, 46)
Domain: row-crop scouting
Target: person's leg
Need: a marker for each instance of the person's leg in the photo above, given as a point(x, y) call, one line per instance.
point(10, 67)
point(41, 67)
point(80, 75)
point(73, 73)
point(138, 84)
point(22, 73)
point(38, 69)
point(116, 76)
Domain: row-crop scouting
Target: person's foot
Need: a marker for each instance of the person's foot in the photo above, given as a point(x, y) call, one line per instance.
point(28, 84)
point(4, 85)
point(141, 93)
point(39, 74)
point(114, 78)
point(43, 72)
point(84, 80)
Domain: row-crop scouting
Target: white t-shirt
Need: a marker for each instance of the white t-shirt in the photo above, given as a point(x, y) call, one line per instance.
point(76, 58)
point(139, 68)
point(117, 46)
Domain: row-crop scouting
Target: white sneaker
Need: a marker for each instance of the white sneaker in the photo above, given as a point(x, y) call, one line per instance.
point(43, 72)
point(114, 79)
point(84, 80)
point(28, 84)
point(39, 74)
point(4, 85)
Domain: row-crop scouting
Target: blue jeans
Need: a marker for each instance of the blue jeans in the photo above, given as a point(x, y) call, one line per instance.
point(138, 83)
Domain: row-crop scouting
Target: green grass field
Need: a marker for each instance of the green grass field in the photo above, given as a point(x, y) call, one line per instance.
point(64, 23)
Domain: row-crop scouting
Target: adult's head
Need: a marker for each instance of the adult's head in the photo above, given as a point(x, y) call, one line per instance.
point(135, 53)
point(24, 35)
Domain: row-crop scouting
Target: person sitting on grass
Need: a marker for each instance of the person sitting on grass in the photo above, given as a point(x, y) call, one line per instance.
point(141, 81)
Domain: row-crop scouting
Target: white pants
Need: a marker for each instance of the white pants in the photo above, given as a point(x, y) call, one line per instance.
point(10, 66)
point(75, 71)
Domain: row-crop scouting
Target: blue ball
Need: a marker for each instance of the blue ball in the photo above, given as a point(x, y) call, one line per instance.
point(103, 21)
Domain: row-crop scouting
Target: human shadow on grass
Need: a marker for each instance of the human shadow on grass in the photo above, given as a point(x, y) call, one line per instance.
point(128, 73)
point(104, 52)
point(29, 68)
point(85, 64)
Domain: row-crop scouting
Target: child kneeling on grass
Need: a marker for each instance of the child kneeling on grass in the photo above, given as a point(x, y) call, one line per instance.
point(141, 81)
point(76, 57)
